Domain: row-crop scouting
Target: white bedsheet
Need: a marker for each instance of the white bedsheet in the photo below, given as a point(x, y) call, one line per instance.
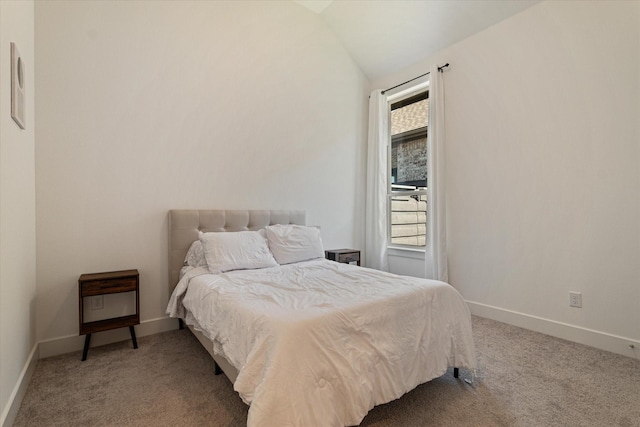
point(320, 343)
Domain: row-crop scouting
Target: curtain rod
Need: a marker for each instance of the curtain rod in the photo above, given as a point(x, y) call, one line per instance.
point(415, 78)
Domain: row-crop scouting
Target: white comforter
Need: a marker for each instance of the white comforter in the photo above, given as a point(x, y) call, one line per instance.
point(320, 343)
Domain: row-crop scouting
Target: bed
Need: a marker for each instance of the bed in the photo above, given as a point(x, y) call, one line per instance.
point(308, 341)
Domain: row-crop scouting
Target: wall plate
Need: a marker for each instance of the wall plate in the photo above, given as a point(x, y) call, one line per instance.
point(17, 87)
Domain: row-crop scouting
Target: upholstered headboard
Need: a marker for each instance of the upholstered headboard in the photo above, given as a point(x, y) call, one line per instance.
point(184, 225)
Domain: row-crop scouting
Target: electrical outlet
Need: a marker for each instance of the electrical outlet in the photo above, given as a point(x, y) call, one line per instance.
point(97, 302)
point(575, 299)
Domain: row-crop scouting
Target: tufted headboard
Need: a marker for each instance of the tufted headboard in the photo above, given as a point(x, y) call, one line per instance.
point(184, 225)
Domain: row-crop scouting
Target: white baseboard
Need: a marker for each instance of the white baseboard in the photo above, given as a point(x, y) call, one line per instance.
point(69, 343)
point(590, 337)
point(15, 400)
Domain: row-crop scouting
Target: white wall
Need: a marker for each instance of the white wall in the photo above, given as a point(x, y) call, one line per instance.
point(149, 106)
point(17, 211)
point(543, 169)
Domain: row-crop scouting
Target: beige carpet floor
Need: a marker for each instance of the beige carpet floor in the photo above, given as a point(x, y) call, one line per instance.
point(524, 379)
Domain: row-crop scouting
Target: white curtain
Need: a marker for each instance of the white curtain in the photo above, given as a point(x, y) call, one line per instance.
point(376, 195)
point(436, 257)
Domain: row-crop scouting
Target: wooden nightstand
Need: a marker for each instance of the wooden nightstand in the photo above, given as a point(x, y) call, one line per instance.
point(346, 256)
point(113, 282)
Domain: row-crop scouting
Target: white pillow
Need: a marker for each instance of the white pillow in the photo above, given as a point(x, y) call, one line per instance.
point(294, 243)
point(195, 255)
point(236, 251)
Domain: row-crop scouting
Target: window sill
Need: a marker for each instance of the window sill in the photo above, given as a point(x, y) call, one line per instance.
point(402, 251)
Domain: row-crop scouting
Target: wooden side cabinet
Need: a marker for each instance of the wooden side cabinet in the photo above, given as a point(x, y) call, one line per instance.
point(113, 282)
point(346, 256)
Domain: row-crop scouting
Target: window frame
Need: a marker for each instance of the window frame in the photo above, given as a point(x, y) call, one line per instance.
point(400, 96)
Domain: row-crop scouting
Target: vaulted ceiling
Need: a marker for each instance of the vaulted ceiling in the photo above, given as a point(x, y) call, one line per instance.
point(383, 36)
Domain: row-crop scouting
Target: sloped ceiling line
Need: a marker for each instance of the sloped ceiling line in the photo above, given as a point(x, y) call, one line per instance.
point(384, 36)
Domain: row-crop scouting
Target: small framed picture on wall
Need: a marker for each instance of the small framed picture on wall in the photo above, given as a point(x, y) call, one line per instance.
point(17, 86)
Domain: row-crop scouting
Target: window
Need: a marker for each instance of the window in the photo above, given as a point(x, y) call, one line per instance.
point(407, 189)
